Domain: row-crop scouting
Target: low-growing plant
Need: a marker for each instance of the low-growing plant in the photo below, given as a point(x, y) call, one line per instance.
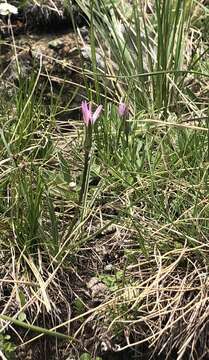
point(6, 346)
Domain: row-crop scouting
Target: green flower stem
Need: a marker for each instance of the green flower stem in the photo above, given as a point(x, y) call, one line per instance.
point(36, 329)
point(80, 211)
point(86, 171)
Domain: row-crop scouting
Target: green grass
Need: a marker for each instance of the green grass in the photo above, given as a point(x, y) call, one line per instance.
point(137, 192)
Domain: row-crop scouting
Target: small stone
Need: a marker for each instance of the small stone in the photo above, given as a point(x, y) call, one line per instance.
point(92, 282)
point(109, 230)
point(72, 185)
point(97, 288)
point(108, 267)
point(84, 32)
point(87, 55)
point(56, 44)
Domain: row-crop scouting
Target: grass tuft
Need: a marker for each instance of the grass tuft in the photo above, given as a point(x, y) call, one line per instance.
point(104, 228)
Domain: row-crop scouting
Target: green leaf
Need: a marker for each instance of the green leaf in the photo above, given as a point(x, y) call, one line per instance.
point(22, 316)
point(79, 306)
point(85, 356)
point(64, 164)
point(22, 298)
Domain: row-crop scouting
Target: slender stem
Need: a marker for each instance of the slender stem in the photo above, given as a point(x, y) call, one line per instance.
point(85, 178)
point(36, 329)
point(86, 171)
point(87, 151)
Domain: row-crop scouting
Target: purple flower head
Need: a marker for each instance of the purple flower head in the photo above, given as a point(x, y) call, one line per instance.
point(88, 116)
point(123, 110)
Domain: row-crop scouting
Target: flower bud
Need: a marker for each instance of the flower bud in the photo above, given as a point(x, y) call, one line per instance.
point(123, 110)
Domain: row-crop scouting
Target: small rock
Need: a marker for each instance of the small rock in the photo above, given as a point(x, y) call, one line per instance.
point(87, 55)
point(56, 44)
point(97, 288)
point(72, 185)
point(109, 230)
point(84, 32)
point(108, 267)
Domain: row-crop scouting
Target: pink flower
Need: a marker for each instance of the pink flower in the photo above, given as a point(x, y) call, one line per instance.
point(123, 110)
point(88, 116)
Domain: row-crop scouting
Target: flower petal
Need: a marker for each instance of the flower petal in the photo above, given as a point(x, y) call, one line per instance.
point(96, 114)
point(86, 112)
point(122, 109)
